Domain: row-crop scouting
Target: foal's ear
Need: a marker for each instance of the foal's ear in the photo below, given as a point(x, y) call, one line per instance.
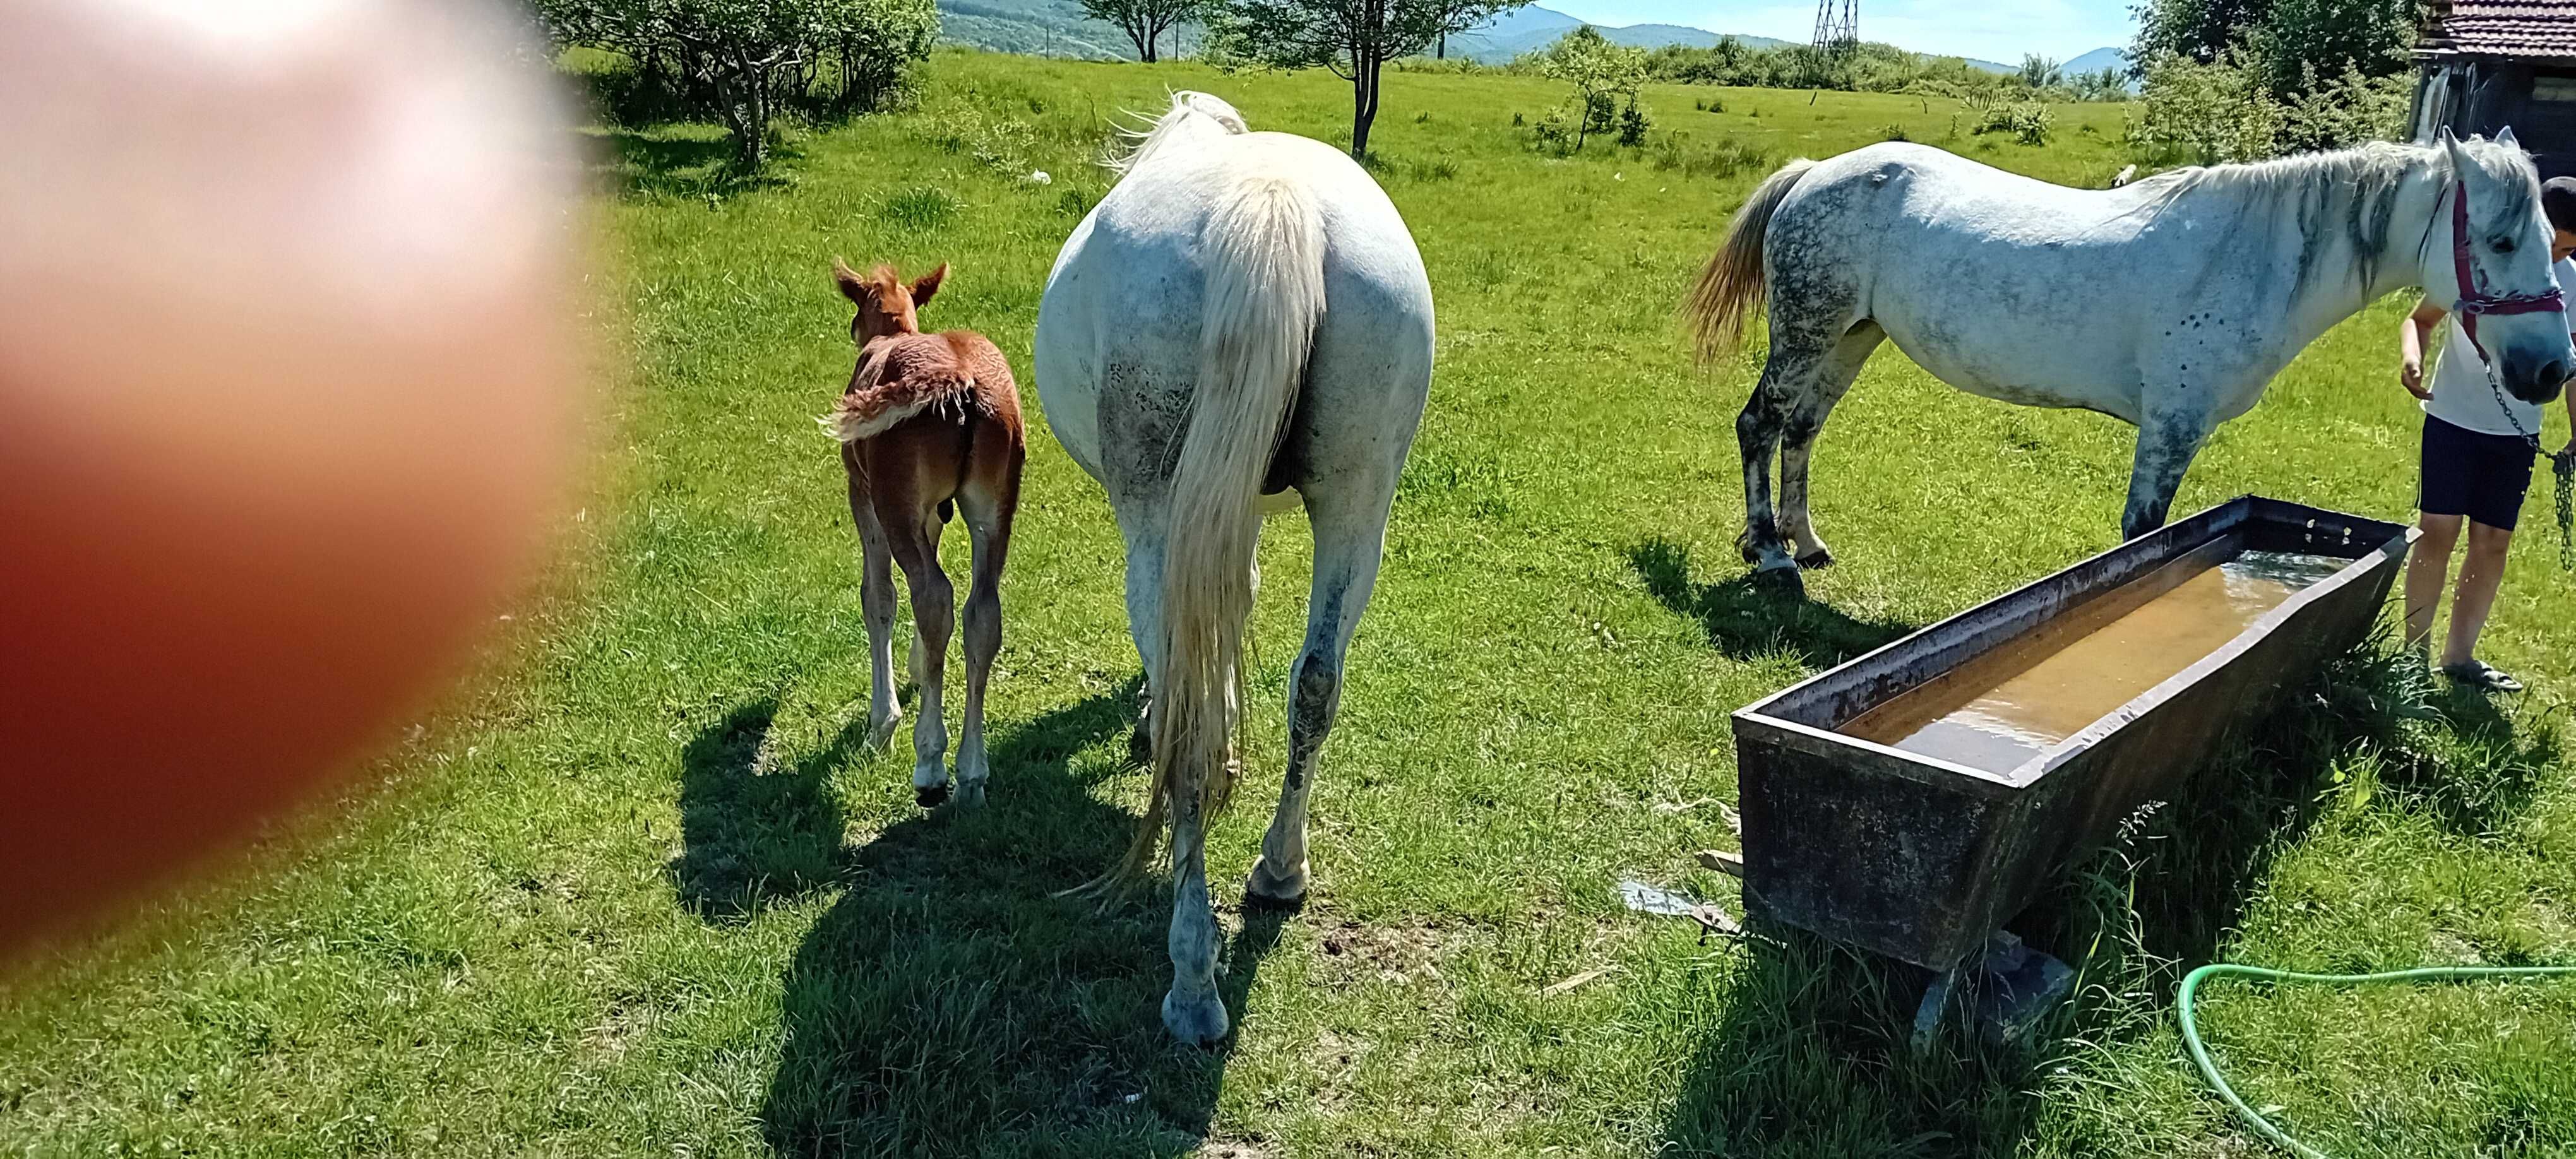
point(853, 287)
point(928, 284)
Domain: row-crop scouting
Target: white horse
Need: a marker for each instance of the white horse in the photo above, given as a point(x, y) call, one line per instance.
point(2168, 303)
point(1243, 314)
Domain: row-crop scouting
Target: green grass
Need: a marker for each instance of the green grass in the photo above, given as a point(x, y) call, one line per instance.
point(639, 892)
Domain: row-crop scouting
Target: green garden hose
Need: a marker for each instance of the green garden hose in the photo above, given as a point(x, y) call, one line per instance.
point(2263, 1126)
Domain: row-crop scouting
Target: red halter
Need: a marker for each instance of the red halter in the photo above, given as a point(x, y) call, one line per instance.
point(2474, 300)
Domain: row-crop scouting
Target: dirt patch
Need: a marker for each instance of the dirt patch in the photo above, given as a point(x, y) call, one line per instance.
point(1348, 952)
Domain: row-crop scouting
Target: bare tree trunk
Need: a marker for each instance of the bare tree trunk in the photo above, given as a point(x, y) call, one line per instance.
point(1443, 54)
point(1364, 81)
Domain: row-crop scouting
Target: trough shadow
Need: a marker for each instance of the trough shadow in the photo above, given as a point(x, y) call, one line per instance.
point(948, 1003)
point(1813, 1055)
point(1745, 618)
point(751, 833)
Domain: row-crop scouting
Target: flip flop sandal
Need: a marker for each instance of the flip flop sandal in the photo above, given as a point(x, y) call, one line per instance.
point(2482, 676)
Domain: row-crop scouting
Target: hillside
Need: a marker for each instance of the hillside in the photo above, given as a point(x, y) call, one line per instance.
point(1058, 28)
point(2097, 60)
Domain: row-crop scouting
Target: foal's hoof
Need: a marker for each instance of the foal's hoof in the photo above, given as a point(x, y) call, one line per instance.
point(1819, 558)
point(933, 796)
point(1268, 890)
point(1199, 1022)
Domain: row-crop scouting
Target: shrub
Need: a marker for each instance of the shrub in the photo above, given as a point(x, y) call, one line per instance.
point(920, 210)
point(2027, 120)
point(1002, 144)
point(1893, 133)
point(744, 62)
point(1633, 123)
point(1726, 158)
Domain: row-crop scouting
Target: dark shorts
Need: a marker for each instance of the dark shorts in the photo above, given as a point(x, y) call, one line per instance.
point(2478, 475)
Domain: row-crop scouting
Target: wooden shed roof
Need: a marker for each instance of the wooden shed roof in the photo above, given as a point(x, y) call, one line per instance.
point(2542, 29)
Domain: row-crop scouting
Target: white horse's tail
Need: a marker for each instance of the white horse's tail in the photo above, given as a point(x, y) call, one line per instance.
point(1730, 289)
point(1265, 291)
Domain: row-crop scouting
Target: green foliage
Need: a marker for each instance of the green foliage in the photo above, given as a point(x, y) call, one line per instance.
point(2027, 120)
point(999, 141)
point(2287, 46)
point(1601, 73)
point(745, 62)
point(920, 210)
point(1355, 39)
point(1727, 157)
point(2040, 72)
point(2211, 113)
point(1144, 21)
point(1863, 67)
point(1633, 123)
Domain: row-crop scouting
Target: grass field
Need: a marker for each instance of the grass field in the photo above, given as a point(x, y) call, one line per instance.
point(638, 891)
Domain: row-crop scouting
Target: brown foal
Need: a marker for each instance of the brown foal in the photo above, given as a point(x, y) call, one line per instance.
point(930, 423)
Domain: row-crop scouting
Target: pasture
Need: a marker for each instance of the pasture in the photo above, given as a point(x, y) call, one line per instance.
point(638, 890)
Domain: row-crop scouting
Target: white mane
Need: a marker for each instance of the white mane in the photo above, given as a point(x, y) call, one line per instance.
point(1134, 144)
point(2348, 194)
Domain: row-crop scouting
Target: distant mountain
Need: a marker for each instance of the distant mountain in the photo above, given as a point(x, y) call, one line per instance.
point(1532, 28)
point(2099, 59)
point(1058, 28)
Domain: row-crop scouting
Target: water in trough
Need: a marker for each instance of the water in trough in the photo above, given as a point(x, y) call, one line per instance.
point(2003, 708)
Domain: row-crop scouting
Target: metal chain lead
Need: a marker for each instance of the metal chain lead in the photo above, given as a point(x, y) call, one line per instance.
point(2562, 472)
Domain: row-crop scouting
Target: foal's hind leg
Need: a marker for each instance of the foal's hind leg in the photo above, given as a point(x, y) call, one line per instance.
point(914, 536)
point(1798, 441)
point(876, 604)
point(1350, 539)
point(987, 508)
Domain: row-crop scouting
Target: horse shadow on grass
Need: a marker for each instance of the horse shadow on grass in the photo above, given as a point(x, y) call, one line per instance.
point(1746, 618)
point(1813, 1055)
point(948, 1003)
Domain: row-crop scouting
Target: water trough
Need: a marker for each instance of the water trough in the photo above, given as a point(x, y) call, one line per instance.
point(1912, 801)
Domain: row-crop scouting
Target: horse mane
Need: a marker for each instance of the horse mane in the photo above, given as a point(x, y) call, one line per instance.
point(1132, 144)
point(2347, 195)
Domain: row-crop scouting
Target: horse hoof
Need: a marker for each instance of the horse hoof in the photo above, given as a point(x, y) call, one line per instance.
point(1198, 1022)
point(1819, 558)
point(931, 796)
point(1268, 890)
point(881, 733)
point(1782, 581)
point(970, 794)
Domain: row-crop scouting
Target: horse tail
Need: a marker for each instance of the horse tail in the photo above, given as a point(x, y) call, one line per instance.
point(884, 393)
point(1729, 289)
point(1264, 247)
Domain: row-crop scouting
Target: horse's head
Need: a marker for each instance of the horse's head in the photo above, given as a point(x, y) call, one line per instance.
point(886, 304)
point(2492, 246)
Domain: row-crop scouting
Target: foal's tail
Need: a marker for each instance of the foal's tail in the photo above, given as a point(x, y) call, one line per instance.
point(1264, 247)
point(1730, 288)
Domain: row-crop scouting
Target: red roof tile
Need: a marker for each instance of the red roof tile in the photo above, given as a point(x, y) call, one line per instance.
point(2518, 28)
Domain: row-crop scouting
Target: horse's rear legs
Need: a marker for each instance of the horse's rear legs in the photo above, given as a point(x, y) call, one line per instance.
point(987, 509)
point(1350, 541)
point(876, 607)
point(1798, 439)
point(934, 615)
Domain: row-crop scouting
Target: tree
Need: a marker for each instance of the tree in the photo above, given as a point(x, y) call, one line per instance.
point(1600, 72)
point(741, 61)
point(2040, 72)
point(1353, 38)
point(1144, 21)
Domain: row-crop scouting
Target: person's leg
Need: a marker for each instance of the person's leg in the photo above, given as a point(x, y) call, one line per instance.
point(2499, 474)
point(2481, 574)
point(2426, 567)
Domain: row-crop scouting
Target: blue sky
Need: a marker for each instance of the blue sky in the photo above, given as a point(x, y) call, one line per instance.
point(1988, 29)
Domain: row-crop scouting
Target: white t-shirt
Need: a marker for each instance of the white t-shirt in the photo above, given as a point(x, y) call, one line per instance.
point(2462, 395)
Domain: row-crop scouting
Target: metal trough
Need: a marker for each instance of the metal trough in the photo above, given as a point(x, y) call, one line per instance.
point(1921, 858)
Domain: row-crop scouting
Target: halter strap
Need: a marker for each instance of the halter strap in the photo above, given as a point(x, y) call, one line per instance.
point(2474, 299)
